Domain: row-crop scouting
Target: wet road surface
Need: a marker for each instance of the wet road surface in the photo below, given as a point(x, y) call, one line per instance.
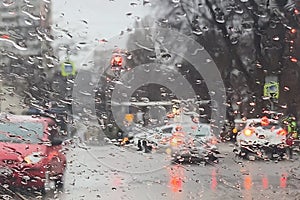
point(110, 172)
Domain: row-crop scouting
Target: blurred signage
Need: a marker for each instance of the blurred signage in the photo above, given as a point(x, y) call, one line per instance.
point(68, 68)
point(271, 89)
point(129, 117)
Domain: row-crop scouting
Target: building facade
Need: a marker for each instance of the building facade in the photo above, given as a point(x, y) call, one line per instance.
point(25, 39)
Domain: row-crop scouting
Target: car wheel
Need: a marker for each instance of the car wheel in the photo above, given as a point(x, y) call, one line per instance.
point(49, 184)
point(244, 154)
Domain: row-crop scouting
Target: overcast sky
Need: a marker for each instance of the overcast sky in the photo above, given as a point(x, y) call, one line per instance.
point(94, 20)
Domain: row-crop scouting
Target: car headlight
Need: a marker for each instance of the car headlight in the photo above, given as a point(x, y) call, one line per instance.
point(34, 158)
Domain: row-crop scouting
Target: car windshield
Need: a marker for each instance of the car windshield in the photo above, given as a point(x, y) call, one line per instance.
point(21, 132)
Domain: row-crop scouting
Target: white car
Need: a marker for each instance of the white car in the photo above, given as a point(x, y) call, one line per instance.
point(198, 145)
point(262, 138)
point(160, 137)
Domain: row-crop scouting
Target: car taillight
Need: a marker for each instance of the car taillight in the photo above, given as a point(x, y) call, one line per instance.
point(248, 132)
point(175, 141)
point(282, 132)
point(52, 155)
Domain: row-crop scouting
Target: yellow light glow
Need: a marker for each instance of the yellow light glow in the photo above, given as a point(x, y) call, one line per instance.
point(248, 132)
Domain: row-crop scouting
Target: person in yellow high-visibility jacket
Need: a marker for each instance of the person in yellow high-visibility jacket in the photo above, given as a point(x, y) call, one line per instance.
point(291, 125)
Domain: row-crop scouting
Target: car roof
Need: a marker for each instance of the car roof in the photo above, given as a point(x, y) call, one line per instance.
point(258, 120)
point(27, 118)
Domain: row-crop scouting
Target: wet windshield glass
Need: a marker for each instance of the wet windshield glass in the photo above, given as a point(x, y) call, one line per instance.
point(150, 99)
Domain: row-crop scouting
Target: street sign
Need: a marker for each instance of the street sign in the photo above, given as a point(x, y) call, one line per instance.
point(271, 89)
point(68, 68)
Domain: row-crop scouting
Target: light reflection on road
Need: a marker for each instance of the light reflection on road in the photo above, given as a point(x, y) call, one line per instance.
point(226, 180)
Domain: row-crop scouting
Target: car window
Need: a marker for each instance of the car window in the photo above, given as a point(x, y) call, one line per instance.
point(21, 132)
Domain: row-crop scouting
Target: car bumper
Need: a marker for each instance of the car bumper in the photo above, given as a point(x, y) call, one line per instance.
point(23, 177)
point(189, 154)
point(264, 151)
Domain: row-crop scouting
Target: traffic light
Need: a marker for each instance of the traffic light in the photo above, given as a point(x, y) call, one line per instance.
point(271, 89)
point(293, 31)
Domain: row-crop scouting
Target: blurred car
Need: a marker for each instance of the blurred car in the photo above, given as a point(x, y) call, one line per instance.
point(196, 146)
point(159, 137)
point(263, 138)
point(30, 152)
point(231, 129)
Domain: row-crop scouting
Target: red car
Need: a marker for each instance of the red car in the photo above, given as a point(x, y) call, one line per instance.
point(30, 152)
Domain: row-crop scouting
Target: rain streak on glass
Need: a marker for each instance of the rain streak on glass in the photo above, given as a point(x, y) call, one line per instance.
point(124, 99)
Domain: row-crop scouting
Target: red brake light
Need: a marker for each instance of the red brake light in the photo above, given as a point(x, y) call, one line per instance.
point(294, 59)
point(282, 132)
point(5, 36)
point(293, 30)
point(52, 155)
point(265, 121)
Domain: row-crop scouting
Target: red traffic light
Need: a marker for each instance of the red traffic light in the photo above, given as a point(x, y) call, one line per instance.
point(294, 59)
point(293, 30)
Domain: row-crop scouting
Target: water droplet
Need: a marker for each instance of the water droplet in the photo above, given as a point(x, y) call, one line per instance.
point(198, 81)
point(28, 22)
point(252, 104)
point(276, 38)
point(197, 32)
point(146, 3)
point(164, 20)
point(133, 4)
point(103, 40)
point(234, 40)
point(30, 15)
point(220, 19)
point(8, 3)
point(286, 89)
point(205, 28)
point(178, 65)
point(238, 10)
